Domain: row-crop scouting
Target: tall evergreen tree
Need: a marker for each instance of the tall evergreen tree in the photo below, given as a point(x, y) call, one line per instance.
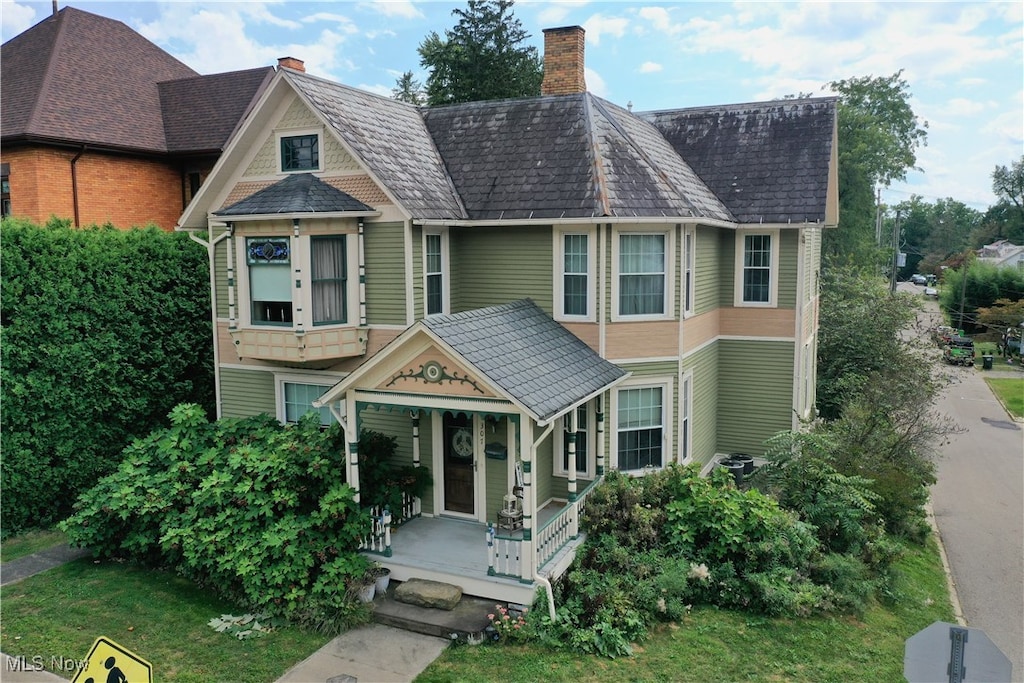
point(482, 58)
point(408, 89)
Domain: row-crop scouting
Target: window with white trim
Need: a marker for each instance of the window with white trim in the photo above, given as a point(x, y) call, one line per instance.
point(642, 274)
point(584, 439)
point(433, 273)
point(689, 267)
point(575, 275)
point(270, 280)
point(300, 152)
point(757, 267)
point(297, 400)
point(329, 280)
point(640, 426)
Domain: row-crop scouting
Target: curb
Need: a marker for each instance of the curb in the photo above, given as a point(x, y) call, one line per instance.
point(954, 598)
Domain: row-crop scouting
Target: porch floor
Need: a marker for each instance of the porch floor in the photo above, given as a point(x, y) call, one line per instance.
point(455, 551)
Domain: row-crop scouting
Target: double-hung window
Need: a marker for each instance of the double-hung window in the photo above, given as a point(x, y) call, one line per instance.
point(328, 280)
point(575, 275)
point(433, 272)
point(300, 153)
point(582, 445)
point(641, 427)
point(297, 400)
point(270, 279)
point(642, 274)
point(689, 265)
point(757, 268)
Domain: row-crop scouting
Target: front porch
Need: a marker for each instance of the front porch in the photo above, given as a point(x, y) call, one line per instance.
point(474, 556)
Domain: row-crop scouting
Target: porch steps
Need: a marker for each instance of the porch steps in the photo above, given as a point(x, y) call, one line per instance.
point(467, 622)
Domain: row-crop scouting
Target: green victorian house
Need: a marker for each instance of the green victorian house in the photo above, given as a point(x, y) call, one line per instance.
point(525, 293)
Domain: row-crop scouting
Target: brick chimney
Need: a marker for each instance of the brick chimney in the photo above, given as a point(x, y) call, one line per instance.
point(291, 63)
point(563, 61)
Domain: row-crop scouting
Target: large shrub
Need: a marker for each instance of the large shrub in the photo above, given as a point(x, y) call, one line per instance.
point(104, 331)
point(254, 509)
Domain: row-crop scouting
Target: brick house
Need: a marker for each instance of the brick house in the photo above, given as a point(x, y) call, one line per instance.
point(98, 124)
point(524, 293)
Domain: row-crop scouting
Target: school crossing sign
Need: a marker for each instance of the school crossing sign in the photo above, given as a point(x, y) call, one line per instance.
point(109, 662)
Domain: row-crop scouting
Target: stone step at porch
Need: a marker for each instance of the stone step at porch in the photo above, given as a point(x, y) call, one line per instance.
point(466, 622)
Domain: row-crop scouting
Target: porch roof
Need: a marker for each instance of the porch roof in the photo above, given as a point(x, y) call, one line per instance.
point(520, 351)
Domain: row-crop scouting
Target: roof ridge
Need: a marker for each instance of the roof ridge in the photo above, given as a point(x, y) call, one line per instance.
point(737, 105)
point(596, 163)
point(48, 71)
point(645, 155)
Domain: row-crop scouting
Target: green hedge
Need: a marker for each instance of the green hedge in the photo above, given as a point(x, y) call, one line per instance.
point(104, 331)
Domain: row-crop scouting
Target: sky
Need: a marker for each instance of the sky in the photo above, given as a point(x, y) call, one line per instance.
point(963, 61)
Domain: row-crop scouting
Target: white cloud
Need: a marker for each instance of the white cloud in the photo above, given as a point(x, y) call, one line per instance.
point(554, 13)
point(598, 25)
point(595, 84)
point(960, 106)
point(650, 67)
point(15, 19)
point(342, 22)
point(382, 90)
point(396, 8)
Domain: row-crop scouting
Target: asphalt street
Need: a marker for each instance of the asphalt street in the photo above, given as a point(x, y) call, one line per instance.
point(978, 503)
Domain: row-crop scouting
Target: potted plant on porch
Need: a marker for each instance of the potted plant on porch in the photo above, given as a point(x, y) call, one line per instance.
point(382, 578)
point(363, 586)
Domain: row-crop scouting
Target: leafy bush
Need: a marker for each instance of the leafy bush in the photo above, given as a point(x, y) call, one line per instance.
point(104, 331)
point(382, 482)
point(249, 507)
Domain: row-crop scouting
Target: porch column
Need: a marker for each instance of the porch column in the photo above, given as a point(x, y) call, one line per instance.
point(574, 517)
point(352, 436)
point(527, 555)
point(415, 415)
point(598, 409)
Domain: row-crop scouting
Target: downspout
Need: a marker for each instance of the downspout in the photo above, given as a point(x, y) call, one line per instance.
point(74, 183)
point(210, 249)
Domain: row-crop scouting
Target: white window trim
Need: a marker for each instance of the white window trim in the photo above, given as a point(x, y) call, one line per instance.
point(446, 289)
point(559, 270)
point(667, 398)
point(688, 260)
point(685, 416)
point(773, 282)
point(299, 132)
point(670, 272)
point(312, 379)
point(301, 259)
point(591, 432)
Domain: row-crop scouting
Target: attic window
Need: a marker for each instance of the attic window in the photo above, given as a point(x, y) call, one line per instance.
point(300, 153)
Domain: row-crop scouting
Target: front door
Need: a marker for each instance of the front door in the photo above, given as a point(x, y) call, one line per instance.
point(459, 463)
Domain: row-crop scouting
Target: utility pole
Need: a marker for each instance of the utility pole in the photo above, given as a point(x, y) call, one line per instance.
point(963, 288)
point(895, 252)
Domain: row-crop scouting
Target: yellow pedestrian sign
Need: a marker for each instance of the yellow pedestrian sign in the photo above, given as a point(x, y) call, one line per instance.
point(108, 662)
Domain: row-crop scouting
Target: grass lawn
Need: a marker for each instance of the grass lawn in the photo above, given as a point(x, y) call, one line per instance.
point(32, 542)
point(155, 614)
point(164, 619)
point(720, 645)
point(1011, 392)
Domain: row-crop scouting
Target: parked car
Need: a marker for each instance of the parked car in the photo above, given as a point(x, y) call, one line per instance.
point(959, 351)
point(932, 292)
point(918, 279)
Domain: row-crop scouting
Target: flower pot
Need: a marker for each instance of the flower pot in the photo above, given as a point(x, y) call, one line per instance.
point(383, 578)
point(365, 591)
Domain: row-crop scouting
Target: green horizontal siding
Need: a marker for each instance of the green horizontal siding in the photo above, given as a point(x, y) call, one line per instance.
point(384, 249)
point(247, 392)
point(704, 415)
point(726, 267)
point(789, 256)
point(708, 270)
point(495, 265)
point(399, 425)
point(755, 389)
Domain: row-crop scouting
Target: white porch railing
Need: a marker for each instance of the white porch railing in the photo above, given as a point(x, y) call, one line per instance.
point(381, 520)
point(504, 552)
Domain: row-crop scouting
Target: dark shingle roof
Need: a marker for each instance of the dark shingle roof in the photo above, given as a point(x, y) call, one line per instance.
point(80, 78)
point(199, 114)
point(767, 161)
point(572, 156)
point(299, 193)
point(522, 350)
point(389, 137)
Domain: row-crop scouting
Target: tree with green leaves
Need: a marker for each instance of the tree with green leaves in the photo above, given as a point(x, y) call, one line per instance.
point(482, 58)
point(408, 89)
point(878, 137)
point(1005, 219)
